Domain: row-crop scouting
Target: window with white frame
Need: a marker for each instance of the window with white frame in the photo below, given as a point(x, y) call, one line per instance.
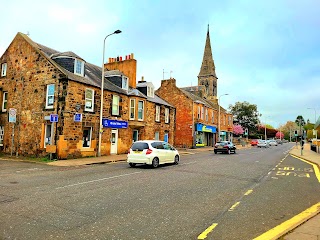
point(202, 113)
point(86, 139)
point(89, 100)
point(4, 101)
point(199, 112)
point(50, 96)
point(140, 110)
point(48, 133)
point(212, 116)
point(1, 135)
point(166, 115)
point(207, 114)
point(132, 108)
point(150, 91)
point(229, 122)
point(156, 136)
point(115, 104)
point(3, 69)
point(79, 67)
point(125, 82)
point(157, 113)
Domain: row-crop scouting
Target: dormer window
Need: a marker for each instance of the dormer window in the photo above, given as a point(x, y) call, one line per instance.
point(79, 67)
point(150, 91)
point(125, 83)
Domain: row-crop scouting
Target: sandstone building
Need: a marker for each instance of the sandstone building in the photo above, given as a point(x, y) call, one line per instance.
point(50, 103)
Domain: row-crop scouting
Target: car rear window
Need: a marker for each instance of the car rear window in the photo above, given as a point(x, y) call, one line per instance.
point(139, 146)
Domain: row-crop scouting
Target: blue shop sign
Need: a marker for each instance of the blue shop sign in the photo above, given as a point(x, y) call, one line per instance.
point(108, 123)
point(205, 128)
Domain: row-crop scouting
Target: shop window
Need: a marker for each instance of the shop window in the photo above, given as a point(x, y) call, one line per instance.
point(86, 140)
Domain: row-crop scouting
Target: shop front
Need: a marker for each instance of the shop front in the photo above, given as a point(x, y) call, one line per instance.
point(205, 135)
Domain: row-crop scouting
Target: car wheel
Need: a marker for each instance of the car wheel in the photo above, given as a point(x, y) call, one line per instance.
point(229, 151)
point(215, 152)
point(155, 162)
point(234, 151)
point(132, 164)
point(176, 159)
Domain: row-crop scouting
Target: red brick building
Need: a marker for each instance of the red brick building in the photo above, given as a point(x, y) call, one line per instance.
point(51, 102)
point(197, 109)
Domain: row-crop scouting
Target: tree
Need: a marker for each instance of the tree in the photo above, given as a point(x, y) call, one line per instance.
point(280, 135)
point(246, 114)
point(237, 129)
point(300, 121)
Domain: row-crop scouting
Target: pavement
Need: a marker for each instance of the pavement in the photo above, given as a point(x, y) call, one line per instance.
point(305, 225)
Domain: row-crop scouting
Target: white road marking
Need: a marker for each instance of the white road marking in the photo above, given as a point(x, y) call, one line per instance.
point(97, 180)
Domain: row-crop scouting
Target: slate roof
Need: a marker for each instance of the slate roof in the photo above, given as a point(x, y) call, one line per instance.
point(92, 72)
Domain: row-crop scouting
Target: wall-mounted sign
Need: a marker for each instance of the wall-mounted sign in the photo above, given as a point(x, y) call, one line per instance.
point(12, 115)
point(108, 123)
point(53, 117)
point(77, 117)
point(205, 128)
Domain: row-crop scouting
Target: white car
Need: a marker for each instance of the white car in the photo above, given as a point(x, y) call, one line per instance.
point(152, 152)
point(273, 143)
point(263, 143)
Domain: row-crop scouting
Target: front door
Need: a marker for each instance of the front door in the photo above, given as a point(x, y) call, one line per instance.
point(114, 141)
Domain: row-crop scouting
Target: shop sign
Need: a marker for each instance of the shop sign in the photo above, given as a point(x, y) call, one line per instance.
point(206, 128)
point(108, 123)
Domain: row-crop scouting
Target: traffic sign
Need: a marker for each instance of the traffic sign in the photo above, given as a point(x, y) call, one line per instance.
point(12, 115)
point(54, 117)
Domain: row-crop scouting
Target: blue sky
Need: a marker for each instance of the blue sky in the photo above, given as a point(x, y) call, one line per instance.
point(265, 52)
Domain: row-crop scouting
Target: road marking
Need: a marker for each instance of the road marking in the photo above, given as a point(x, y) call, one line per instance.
point(248, 192)
point(290, 224)
point(315, 167)
point(233, 206)
point(97, 180)
point(205, 233)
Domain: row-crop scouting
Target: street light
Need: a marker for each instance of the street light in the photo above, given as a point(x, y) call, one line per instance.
point(102, 86)
point(219, 115)
point(315, 119)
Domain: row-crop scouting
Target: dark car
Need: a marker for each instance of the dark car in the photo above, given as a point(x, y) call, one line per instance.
point(224, 147)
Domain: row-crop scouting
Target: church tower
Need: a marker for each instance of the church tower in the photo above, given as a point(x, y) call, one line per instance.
point(207, 76)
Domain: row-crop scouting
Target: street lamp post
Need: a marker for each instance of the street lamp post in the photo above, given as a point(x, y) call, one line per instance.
point(219, 115)
point(315, 119)
point(102, 87)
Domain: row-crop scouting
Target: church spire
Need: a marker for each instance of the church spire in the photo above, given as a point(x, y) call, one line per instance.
point(207, 76)
point(207, 67)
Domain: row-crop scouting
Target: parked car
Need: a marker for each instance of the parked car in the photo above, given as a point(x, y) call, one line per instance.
point(279, 141)
point(152, 152)
point(254, 142)
point(263, 143)
point(224, 147)
point(273, 143)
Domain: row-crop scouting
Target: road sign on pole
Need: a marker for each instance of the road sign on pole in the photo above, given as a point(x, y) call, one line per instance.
point(54, 117)
point(12, 115)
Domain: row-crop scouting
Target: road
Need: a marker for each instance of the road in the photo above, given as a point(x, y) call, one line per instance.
point(206, 196)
